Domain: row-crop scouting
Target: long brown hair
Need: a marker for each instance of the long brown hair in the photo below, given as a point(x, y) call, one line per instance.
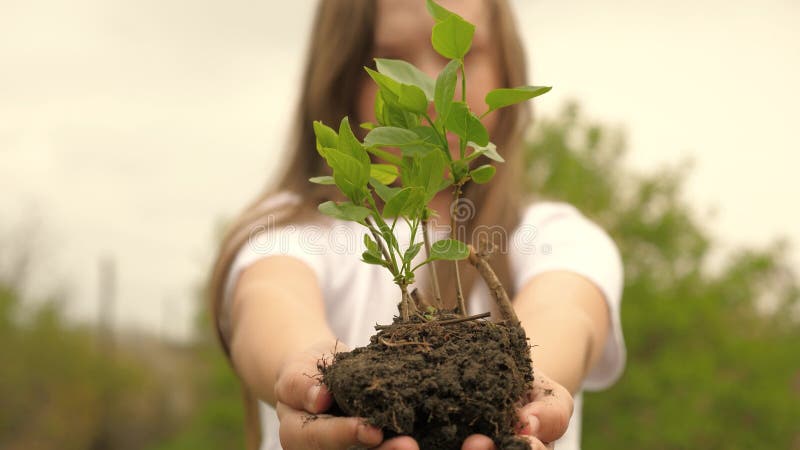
point(333, 72)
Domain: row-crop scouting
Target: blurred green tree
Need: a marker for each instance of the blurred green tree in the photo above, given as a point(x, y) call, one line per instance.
point(60, 389)
point(713, 352)
point(217, 422)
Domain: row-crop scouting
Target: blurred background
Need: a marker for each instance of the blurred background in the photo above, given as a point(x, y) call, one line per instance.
point(131, 130)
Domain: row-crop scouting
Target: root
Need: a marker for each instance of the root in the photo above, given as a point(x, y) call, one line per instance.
point(464, 319)
point(438, 322)
point(403, 343)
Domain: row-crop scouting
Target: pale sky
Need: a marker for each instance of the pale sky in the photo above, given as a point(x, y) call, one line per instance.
point(130, 128)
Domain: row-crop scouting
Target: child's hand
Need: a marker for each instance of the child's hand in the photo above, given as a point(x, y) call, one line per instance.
point(544, 418)
point(301, 400)
point(548, 411)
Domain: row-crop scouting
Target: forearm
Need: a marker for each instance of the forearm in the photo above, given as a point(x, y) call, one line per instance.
point(561, 344)
point(566, 318)
point(277, 313)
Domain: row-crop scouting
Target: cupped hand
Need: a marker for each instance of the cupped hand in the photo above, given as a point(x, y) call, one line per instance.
point(543, 419)
point(302, 401)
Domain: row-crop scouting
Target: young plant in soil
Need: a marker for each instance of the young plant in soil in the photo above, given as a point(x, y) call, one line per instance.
point(437, 375)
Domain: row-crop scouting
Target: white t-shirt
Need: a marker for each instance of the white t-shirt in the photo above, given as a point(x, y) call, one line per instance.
point(550, 236)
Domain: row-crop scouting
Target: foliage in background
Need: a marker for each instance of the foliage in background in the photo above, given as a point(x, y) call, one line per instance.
point(61, 388)
point(218, 420)
point(713, 355)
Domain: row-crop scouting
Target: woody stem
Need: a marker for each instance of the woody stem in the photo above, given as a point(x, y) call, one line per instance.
point(479, 260)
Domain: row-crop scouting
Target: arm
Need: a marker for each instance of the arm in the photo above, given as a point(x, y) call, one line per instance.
point(567, 319)
point(279, 333)
point(277, 312)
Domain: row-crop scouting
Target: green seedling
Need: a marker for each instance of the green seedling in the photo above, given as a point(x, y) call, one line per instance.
point(405, 159)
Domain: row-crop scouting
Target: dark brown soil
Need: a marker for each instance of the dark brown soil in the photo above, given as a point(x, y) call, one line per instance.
point(436, 382)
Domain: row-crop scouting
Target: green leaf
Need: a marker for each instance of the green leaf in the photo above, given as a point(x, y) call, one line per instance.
point(389, 113)
point(406, 73)
point(381, 114)
point(367, 125)
point(385, 155)
point(345, 211)
point(459, 168)
point(448, 249)
point(383, 191)
point(383, 173)
point(406, 202)
point(369, 258)
point(445, 88)
point(326, 137)
point(405, 96)
point(351, 164)
point(452, 37)
point(489, 151)
point(483, 174)
point(411, 252)
point(437, 11)
point(373, 253)
point(349, 144)
point(426, 172)
point(503, 97)
point(427, 135)
point(387, 234)
point(402, 138)
point(349, 174)
point(385, 83)
point(412, 99)
point(465, 124)
point(391, 137)
point(324, 179)
point(371, 245)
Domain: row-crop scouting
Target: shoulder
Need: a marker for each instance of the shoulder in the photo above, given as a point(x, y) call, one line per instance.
point(557, 236)
point(548, 226)
point(542, 213)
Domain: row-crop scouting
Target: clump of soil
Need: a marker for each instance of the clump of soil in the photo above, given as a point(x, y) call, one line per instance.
point(438, 381)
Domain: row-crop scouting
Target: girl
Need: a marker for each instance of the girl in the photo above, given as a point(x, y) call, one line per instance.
point(288, 284)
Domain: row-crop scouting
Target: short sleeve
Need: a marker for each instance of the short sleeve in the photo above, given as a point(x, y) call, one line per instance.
point(301, 242)
point(556, 236)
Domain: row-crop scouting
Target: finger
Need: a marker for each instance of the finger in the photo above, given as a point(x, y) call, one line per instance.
point(399, 443)
point(547, 415)
point(478, 442)
point(300, 430)
point(298, 388)
point(537, 444)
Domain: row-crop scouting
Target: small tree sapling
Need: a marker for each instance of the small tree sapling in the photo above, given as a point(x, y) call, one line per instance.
point(425, 164)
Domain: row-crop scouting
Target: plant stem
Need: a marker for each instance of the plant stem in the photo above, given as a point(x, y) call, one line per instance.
point(463, 83)
point(407, 306)
point(431, 266)
point(441, 137)
point(479, 260)
point(461, 307)
point(388, 256)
